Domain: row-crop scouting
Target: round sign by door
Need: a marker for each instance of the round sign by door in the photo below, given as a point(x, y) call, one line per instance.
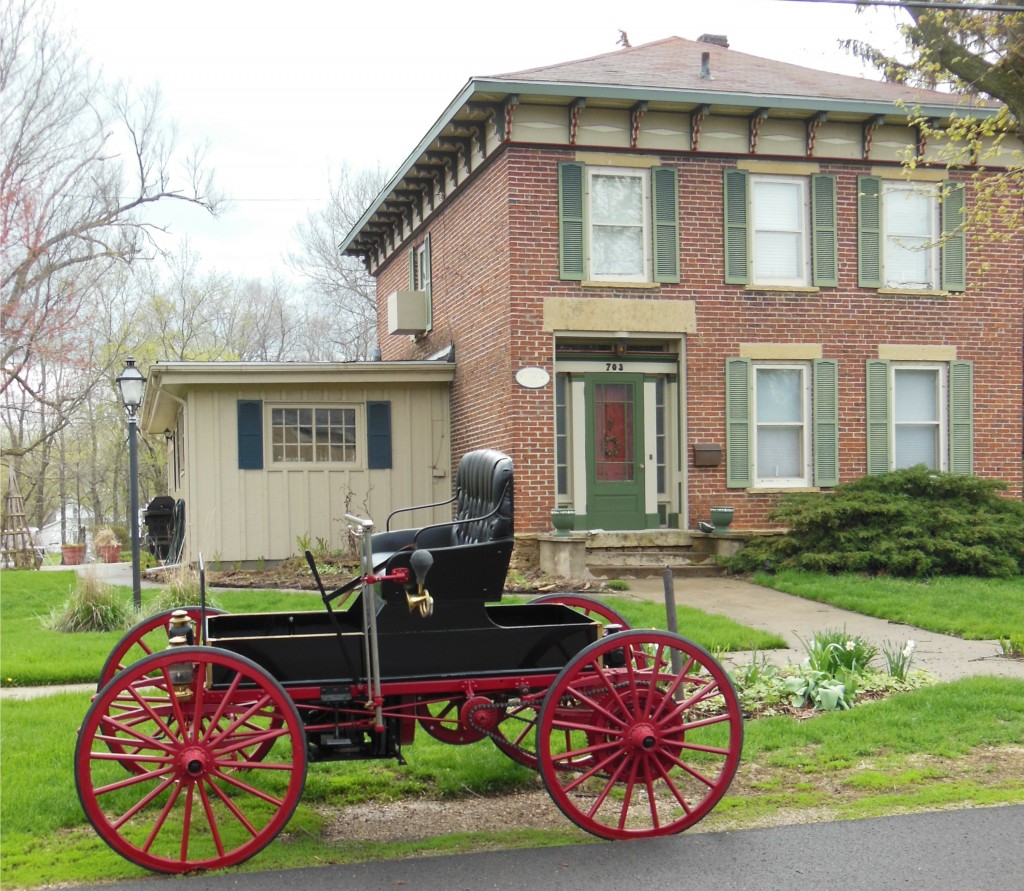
point(532, 377)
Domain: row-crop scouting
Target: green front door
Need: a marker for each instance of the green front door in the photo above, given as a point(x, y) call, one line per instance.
point(615, 469)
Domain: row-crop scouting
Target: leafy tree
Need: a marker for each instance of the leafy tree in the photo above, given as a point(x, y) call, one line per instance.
point(973, 47)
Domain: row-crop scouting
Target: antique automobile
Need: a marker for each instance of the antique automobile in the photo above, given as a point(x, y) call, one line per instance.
point(193, 753)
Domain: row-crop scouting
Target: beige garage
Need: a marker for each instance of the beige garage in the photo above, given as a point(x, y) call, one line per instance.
point(264, 455)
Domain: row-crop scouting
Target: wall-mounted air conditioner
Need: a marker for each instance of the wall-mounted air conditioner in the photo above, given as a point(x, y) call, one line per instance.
point(407, 312)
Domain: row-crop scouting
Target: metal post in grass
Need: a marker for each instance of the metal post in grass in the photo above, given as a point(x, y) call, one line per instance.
point(131, 384)
point(670, 612)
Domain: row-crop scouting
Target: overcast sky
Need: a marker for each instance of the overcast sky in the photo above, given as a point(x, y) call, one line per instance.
point(287, 91)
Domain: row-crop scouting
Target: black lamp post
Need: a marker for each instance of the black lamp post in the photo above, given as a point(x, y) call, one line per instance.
point(131, 383)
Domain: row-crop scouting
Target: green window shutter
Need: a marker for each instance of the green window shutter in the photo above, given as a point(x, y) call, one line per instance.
point(826, 422)
point(824, 241)
point(378, 435)
point(250, 434)
point(954, 241)
point(961, 417)
point(570, 221)
point(737, 266)
point(878, 415)
point(665, 194)
point(869, 231)
point(427, 279)
point(412, 269)
point(738, 474)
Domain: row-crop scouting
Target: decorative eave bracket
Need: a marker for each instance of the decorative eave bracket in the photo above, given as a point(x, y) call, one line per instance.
point(575, 107)
point(636, 113)
point(813, 125)
point(868, 129)
point(755, 121)
point(696, 119)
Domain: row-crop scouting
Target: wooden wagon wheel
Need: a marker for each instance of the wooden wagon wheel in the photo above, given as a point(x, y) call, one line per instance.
point(190, 807)
point(518, 729)
point(633, 748)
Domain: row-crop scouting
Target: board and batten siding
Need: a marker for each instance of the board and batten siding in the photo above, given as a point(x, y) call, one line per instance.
point(235, 515)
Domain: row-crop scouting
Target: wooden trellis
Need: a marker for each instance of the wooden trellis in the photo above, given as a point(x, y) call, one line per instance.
point(18, 549)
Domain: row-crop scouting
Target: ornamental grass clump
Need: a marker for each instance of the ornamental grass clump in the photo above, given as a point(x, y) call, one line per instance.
point(92, 606)
point(913, 523)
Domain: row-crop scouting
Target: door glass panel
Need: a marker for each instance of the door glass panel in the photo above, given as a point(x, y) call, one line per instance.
point(613, 433)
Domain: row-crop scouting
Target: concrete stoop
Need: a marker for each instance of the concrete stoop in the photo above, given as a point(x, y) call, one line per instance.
point(636, 554)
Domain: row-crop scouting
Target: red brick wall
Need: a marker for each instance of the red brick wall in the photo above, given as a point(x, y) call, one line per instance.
point(495, 259)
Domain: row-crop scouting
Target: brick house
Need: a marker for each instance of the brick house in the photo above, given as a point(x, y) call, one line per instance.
point(676, 276)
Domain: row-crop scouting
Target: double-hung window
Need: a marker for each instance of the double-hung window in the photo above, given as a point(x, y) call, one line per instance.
point(782, 405)
point(920, 413)
point(618, 224)
point(420, 278)
point(780, 231)
point(782, 423)
point(910, 235)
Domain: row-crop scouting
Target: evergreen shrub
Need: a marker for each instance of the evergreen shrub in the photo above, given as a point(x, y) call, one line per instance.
point(908, 523)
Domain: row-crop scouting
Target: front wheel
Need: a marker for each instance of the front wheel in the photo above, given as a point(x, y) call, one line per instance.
point(184, 723)
point(640, 735)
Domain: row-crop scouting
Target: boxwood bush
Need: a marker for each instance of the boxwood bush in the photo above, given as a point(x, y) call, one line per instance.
point(908, 523)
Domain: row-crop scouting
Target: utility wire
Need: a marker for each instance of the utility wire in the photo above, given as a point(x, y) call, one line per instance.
point(925, 4)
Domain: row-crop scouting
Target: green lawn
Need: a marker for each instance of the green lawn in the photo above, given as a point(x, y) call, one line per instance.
point(972, 608)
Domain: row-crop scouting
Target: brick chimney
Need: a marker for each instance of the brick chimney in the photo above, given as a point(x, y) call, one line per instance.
point(715, 40)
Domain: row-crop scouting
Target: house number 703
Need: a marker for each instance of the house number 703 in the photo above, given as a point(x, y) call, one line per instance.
point(613, 366)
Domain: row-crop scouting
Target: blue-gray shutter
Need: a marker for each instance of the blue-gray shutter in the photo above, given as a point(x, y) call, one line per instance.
point(665, 204)
point(378, 435)
point(869, 231)
point(824, 240)
point(737, 265)
point(878, 415)
point(961, 417)
point(826, 422)
point(954, 240)
point(250, 434)
point(570, 221)
point(738, 473)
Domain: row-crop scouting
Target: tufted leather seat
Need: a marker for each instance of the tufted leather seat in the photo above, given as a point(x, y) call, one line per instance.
point(483, 510)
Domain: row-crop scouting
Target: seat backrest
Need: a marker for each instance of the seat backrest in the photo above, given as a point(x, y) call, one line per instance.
point(483, 496)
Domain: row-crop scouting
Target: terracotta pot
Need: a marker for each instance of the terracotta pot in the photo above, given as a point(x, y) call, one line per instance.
point(110, 553)
point(72, 555)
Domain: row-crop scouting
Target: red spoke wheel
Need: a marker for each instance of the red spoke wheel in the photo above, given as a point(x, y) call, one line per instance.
point(147, 637)
point(591, 607)
point(442, 719)
point(185, 803)
point(633, 747)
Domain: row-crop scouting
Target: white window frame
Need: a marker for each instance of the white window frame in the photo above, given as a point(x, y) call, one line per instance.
point(803, 260)
point(357, 426)
point(421, 270)
point(941, 373)
point(893, 241)
point(806, 401)
point(643, 175)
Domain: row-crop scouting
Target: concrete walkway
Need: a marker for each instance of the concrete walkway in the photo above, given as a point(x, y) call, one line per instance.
point(792, 618)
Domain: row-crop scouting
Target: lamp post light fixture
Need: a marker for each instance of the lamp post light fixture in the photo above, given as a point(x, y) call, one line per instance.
point(131, 384)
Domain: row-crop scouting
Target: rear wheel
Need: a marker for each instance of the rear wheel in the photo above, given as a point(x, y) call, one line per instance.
point(640, 735)
point(194, 797)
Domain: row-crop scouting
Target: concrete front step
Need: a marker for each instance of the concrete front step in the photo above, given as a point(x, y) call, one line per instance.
point(702, 570)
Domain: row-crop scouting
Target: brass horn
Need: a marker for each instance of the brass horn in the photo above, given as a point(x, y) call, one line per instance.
point(421, 561)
